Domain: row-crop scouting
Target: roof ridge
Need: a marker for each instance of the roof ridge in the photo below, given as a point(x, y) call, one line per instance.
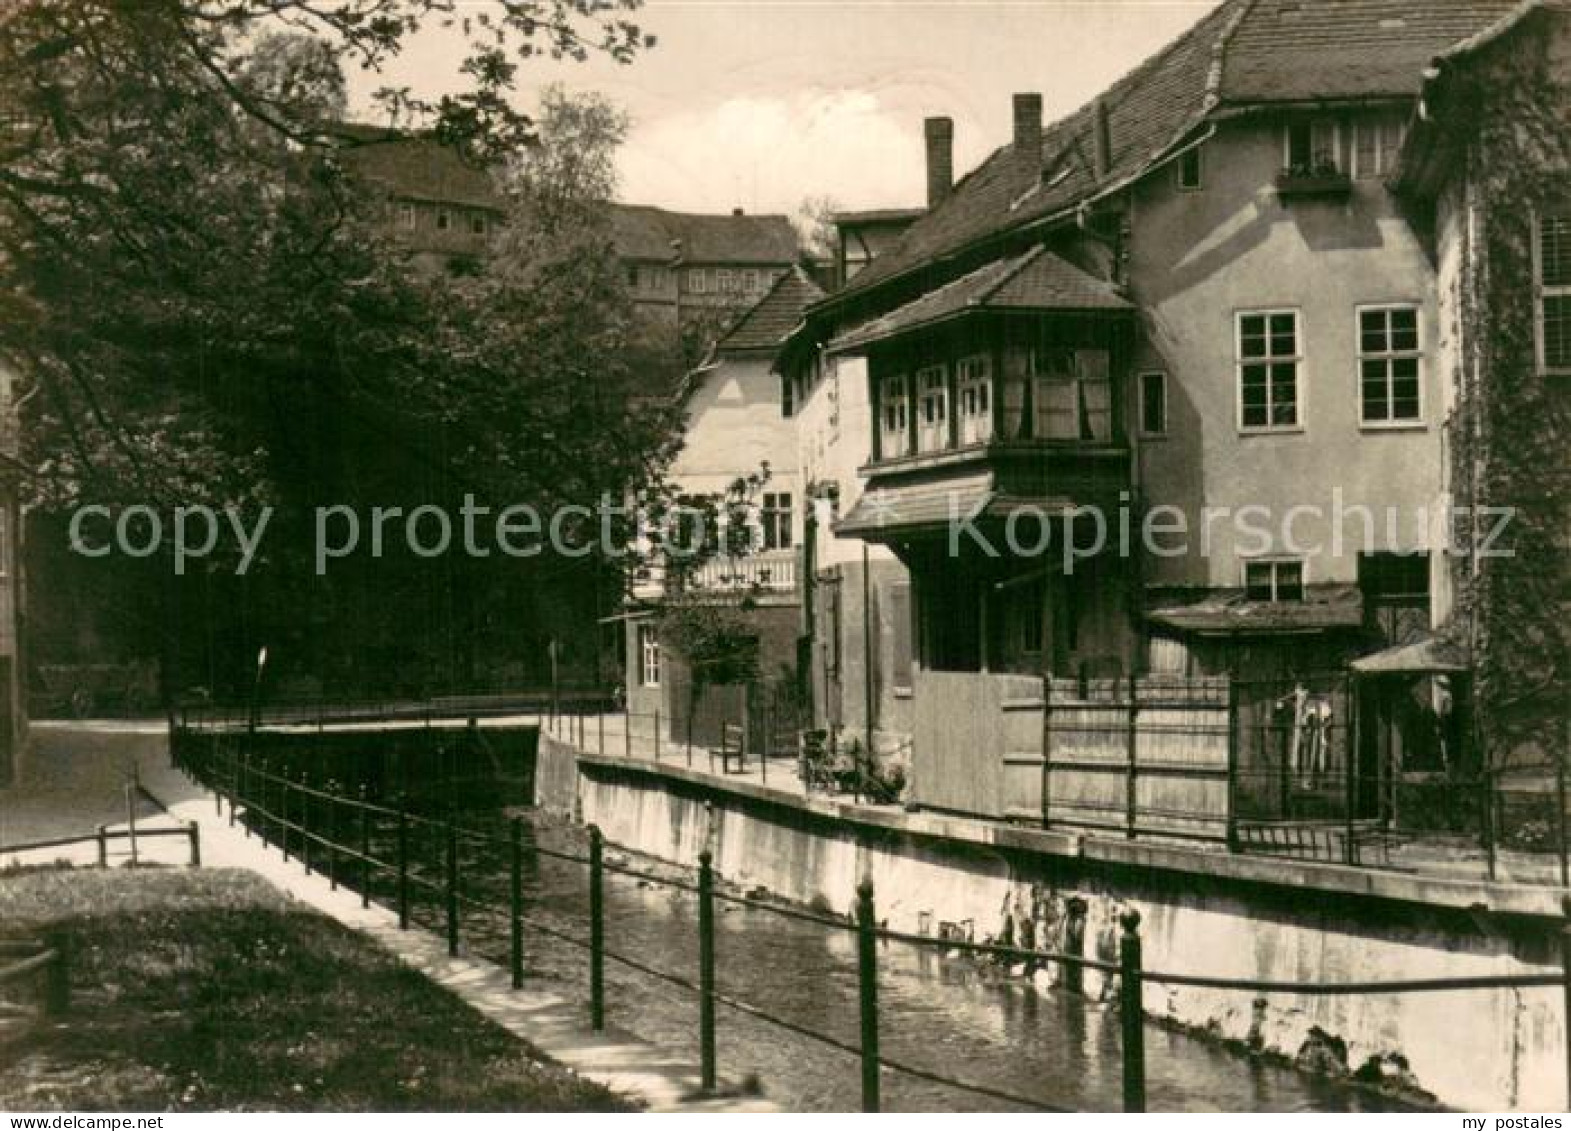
point(1003, 280)
point(1215, 76)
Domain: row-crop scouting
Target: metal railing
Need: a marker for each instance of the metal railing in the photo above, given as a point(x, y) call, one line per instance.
point(336, 833)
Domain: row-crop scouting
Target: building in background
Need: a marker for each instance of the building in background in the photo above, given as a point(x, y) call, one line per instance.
point(689, 267)
point(735, 428)
point(862, 237)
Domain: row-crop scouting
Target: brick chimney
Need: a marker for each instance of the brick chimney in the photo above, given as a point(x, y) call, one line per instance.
point(940, 135)
point(1028, 131)
point(1102, 139)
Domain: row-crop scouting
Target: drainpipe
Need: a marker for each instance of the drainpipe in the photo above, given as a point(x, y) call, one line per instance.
point(867, 652)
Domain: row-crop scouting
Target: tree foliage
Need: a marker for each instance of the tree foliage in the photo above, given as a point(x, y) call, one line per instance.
point(205, 303)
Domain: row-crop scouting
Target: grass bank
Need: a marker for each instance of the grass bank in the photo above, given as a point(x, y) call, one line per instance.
point(208, 990)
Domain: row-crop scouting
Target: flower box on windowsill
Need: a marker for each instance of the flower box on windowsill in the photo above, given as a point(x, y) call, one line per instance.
point(1296, 184)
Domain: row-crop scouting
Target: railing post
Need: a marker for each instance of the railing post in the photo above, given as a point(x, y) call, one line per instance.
point(332, 838)
point(365, 848)
point(516, 900)
point(1132, 1012)
point(305, 821)
point(627, 732)
point(194, 834)
point(1232, 764)
point(596, 930)
point(867, 985)
point(1350, 798)
point(657, 734)
point(600, 733)
point(1565, 987)
point(285, 786)
point(57, 977)
point(103, 847)
point(706, 970)
point(452, 890)
point(245, 788)
point(403, 865)
point(1131, 788)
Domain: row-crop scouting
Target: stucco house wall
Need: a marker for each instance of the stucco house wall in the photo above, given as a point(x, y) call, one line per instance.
point(1197, 258)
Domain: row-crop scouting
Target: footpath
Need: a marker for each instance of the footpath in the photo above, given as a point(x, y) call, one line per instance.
point(556, 1026)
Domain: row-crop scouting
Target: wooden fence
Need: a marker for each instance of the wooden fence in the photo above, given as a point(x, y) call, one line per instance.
point(1148, 756)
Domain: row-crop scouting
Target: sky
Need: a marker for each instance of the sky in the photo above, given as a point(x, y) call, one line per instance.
point(760, 104)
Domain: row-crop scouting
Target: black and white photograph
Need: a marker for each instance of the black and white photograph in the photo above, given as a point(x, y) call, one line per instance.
point(791, 557)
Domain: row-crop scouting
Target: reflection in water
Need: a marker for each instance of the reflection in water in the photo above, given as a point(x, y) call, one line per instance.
point(942, 1014)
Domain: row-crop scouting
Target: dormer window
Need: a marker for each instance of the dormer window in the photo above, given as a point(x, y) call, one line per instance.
point(1275, 580)
point(1188, 170)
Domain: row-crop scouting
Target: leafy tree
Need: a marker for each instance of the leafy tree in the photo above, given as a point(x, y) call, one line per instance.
point(201, 294)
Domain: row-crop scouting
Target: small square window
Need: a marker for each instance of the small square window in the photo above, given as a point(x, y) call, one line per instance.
point(477, 224)
point(444, 219)
point(1274, 579)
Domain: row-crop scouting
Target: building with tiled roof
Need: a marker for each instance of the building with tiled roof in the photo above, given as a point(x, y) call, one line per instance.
point(684, 266)
point(1194, 302)
point(678, 264)
point(734, 428)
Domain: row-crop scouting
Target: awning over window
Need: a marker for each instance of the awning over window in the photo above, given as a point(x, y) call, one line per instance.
point(1323, 607)
point(1428, 656)
point(892, 513)
point(1037, 280)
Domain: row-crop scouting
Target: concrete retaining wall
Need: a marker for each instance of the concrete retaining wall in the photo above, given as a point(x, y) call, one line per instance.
point(1479, 1049)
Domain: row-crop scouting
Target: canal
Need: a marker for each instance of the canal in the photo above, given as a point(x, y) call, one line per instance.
point(942, 1013)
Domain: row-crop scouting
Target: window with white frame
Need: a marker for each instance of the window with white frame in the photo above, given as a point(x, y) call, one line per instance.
point(750, 280)
point(1268, 362)
point(932, 409)
point(648, 656)
point(974, 388)
point(1377, 142)
point(1390, 365)
point(894, 417)
point(1310, 148)
point(406, 216)
point(1274, 579)
point(1552, 289)
point(776, 516)
point(725, 281)
point(697, 280)
point(1153, 403)
point(1072, 391)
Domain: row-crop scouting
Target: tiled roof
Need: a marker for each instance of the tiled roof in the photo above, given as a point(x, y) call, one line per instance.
point(1035, 280)
point(644, 232)
point(416, 166)
point(1244, 52)
point(1312, 49)
point(770, 320)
